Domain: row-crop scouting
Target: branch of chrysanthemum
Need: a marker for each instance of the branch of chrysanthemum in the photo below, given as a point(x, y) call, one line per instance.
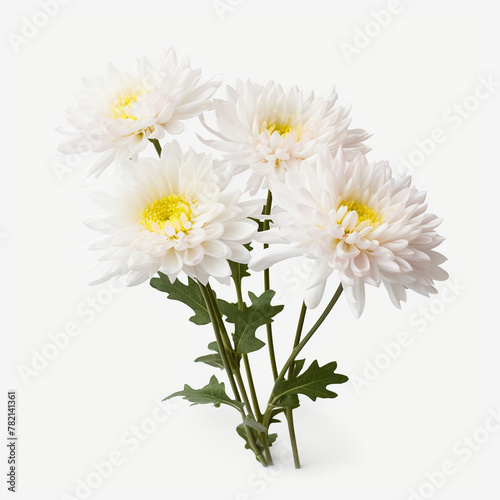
point(255, 401)
point(296, 351)
point(239, 294)
point(207, 296)
point(298, 333)
point(227, 344)
point(222, 327)
point(248, 370)
point(246, 361)
point(237, 374)
point(220, 343)
point(311, 332)
point(157, 145)
point(289, 411)
point(293, 438)
point(253, 394)
point(267, 286)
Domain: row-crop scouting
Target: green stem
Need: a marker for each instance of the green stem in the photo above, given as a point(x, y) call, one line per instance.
point(246, 361)
point(311, 332)
point(239, 294)
point(293, 439)
point(298, 348)
point(298, 333)
point(207, 296)
point(289, 411)
point(227, 345)
point(236, 370)
point(267, 286)
point(248, 370)
point(157, 145)
point(253, 393)
point(220, 343)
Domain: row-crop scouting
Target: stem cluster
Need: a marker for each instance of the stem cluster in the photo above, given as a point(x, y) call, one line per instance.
point(258, 440)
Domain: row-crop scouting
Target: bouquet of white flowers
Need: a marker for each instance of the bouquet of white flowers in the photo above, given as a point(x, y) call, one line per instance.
point(311, 194)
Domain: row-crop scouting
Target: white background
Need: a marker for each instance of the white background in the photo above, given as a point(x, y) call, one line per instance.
point(376, 441)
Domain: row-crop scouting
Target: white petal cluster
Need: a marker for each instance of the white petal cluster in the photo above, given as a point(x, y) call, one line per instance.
point(177, 214)
point(270, 131)
point(357, 219)
point(115, 116)
point(172, 215)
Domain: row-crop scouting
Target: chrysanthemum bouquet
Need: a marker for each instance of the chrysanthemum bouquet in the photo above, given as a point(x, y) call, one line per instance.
point(175, 218)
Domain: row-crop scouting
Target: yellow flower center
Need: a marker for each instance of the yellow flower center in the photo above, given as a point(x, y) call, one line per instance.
point(282, 128)
point(364, 212)
point(122, 107)
point(173, 210)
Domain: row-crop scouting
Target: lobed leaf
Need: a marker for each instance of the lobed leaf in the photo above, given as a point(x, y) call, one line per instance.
point(214, 360)
point(247, 321)
point(213, 393)
point(189, 294)
point(312, 383)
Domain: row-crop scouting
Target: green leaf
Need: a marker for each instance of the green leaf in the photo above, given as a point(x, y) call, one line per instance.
point(292, 400)
point(240, 429)
point(312, 383)
point(289, 401)
point(213, 346)
point(189, 294)
point(251, 422)
point(247, 321)
point(297, 367)
point(276, 411)
point(271, 438)
point(238, 271)
point(213, 393)
point(212, 360)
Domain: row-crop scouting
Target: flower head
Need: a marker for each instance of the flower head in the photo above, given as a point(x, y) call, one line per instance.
point(116, 115)
point(357, 219)
point(172, 215)
point(270, 131)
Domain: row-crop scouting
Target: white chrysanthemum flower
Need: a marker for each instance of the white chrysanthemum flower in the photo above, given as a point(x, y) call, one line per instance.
point(172, 215)
point(357, 219)
point(115, 116)
point(272, 131)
